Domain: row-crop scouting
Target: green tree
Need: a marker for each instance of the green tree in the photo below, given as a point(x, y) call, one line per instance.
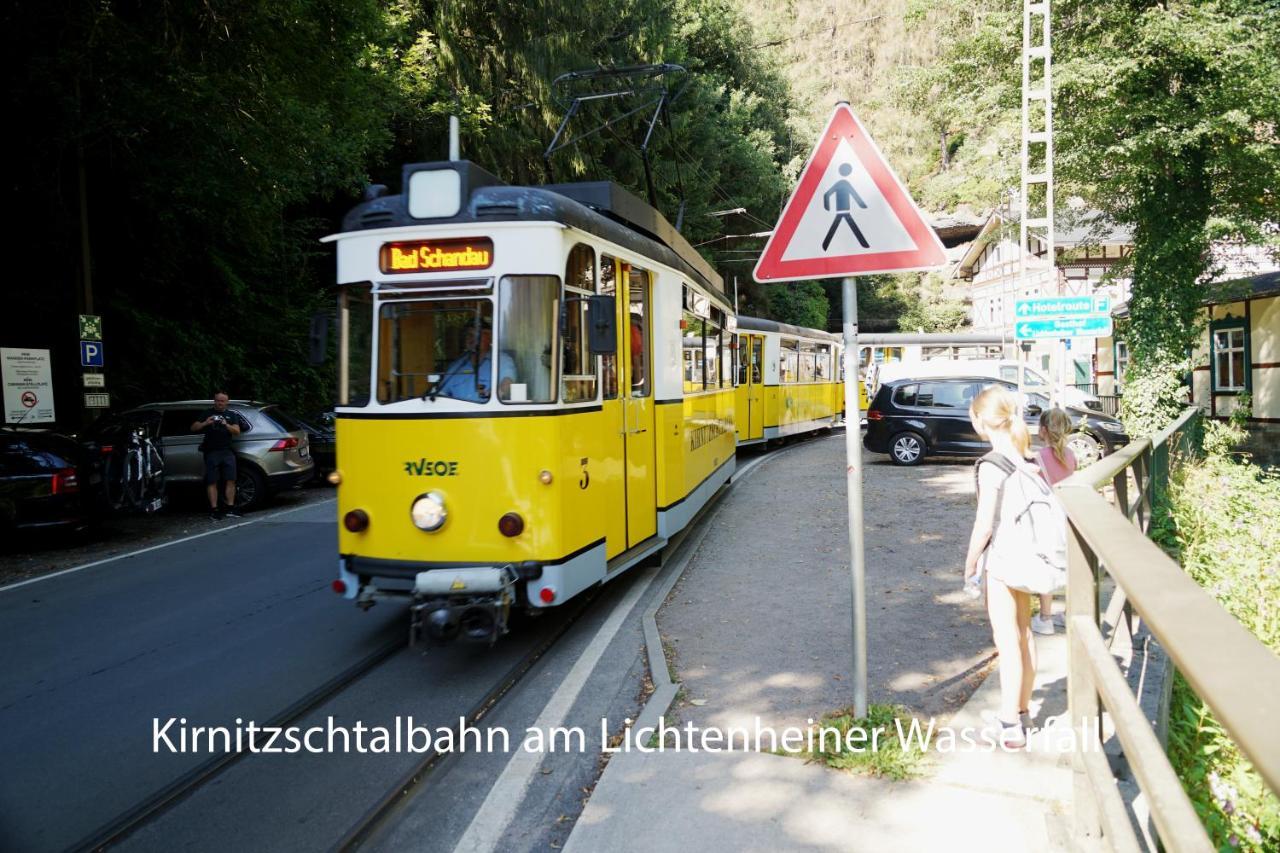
point(1166, 120)
point(801, 303)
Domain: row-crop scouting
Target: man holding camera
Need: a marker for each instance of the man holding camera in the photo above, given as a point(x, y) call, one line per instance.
point(220, 425)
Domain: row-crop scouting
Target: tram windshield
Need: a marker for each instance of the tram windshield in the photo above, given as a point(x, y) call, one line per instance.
point(439, 348)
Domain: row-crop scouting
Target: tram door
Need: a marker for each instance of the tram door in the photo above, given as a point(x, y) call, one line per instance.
point(752, 349)
point(638, 407)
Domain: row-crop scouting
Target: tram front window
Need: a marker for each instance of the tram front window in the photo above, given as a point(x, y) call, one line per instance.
point(444, 348)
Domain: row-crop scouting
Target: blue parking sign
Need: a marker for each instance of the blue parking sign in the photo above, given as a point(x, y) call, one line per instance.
point(91, 353)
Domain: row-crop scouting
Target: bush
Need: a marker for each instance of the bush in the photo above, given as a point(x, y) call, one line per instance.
point(1226, 515)
point(1153, 397)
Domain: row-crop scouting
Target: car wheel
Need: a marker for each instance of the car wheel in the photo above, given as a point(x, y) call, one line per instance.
point(251, 487)
point(1085, 448)
point(907, 448)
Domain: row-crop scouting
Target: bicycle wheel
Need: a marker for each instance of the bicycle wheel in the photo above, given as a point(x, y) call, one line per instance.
point(134, 481)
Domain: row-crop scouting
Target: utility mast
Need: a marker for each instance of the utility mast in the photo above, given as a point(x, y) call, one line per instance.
point(1037, 273)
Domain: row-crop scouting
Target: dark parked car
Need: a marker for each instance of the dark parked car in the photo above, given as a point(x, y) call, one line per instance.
point(913, 418)
point(46, 481)
point(323, 438)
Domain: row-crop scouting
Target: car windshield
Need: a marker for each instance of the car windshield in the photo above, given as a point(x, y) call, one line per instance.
point(436, 348)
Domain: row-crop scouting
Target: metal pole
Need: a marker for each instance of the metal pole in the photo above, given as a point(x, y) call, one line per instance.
point(455, 152)
point(853, 482)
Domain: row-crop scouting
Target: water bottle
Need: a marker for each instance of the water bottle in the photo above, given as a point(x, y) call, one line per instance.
point(973, 585)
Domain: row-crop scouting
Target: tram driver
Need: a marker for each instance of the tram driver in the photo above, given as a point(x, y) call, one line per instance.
point(468, 376)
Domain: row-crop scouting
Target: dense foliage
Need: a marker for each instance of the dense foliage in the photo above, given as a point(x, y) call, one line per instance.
point(218, 141)
point(1220, 506)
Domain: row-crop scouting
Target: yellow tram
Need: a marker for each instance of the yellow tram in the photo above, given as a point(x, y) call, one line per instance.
point(536, 391)
point(789, 380)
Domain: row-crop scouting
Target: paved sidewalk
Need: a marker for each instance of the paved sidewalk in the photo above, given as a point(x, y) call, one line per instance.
point(758, 628)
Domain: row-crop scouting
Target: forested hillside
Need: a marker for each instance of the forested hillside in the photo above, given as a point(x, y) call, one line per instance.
point(180, 161)
point(176, 163)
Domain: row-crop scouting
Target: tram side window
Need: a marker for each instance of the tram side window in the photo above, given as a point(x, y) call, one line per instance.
point(789, 362)
point(711, 346)
point(693, 328)
point(355, 308)
point(740, 356)
point(808, 361)
point(822, 372)
point(609, 361)
point(577, 362)
point(727, 351)
point(526, 323)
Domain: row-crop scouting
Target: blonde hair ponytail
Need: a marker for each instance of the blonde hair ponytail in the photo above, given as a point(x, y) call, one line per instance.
point(1056, 425)
point(995, 410)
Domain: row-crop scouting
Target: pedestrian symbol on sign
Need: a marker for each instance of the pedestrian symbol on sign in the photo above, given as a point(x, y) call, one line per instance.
point(845, 194)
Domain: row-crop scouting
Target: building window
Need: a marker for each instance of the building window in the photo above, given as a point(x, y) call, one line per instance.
point(1122, 362)
point(1230, 358)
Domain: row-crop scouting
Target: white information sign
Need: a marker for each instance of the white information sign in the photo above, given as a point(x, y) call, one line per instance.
point(28, 386)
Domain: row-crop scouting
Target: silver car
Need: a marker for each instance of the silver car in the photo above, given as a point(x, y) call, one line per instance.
point(273, 454)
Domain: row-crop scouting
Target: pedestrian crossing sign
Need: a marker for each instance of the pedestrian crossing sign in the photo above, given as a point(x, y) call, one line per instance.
point(849, 214)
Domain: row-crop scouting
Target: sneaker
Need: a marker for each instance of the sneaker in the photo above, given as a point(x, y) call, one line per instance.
point(216, 515)
point(234, 513)
point(1042, 626)
point(1004, 734)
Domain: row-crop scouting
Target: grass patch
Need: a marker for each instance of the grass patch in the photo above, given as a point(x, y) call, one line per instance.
point(888, 760)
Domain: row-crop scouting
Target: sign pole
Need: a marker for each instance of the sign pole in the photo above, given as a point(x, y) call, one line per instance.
point(853, 482)
point(849, 215)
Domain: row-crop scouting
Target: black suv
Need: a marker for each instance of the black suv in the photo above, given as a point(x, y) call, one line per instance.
point(913, 418)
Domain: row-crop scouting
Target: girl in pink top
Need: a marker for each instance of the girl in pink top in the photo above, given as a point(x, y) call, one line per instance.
point(1056, 463)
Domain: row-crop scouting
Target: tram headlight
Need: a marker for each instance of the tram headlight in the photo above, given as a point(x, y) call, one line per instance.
point(428, 512)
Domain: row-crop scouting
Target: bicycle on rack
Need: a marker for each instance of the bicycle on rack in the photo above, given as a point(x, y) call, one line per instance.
point(134, 476)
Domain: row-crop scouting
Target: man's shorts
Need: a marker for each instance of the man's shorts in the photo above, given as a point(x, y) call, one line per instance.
point(219, 465)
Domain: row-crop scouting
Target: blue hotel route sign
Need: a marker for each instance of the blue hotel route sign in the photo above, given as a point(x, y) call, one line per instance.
point(1061, 306)
point(1087, 326)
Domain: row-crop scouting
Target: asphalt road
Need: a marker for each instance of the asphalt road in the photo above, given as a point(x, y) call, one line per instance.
point(240, 623)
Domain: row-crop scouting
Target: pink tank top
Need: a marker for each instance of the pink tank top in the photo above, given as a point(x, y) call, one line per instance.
point(1052, 469)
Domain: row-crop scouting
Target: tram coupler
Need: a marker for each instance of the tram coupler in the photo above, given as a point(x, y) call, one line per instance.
point(472, 603)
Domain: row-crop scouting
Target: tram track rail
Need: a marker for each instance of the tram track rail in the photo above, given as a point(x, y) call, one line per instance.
point(377, 817)
point(406, 786)
point(178, 790)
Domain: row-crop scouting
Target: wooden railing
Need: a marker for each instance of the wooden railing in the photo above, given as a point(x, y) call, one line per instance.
point(1225, 665)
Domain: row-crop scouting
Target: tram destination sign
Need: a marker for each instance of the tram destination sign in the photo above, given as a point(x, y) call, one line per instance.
point(419, 256)
point(1061, 306)
point(1087, 326)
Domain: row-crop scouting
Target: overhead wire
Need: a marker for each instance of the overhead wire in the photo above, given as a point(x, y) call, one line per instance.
point(828, 29)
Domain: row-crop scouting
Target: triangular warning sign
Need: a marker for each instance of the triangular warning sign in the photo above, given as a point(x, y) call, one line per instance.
point(849, 214)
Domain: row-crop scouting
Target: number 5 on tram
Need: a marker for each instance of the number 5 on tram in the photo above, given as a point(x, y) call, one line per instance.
point(513, 425)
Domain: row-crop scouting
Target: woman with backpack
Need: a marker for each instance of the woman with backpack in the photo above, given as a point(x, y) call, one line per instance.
point(1056, 462)
point(1019, 542)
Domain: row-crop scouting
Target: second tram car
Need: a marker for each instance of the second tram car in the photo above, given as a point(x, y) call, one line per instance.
point(538, 387)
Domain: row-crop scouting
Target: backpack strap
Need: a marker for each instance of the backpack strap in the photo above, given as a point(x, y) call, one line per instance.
point(997, 459)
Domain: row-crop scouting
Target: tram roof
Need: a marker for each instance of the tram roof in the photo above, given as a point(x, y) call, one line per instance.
point(759, 324)
point(601, 208)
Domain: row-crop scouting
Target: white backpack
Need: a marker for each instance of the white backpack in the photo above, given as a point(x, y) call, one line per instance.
point(1028, 548)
